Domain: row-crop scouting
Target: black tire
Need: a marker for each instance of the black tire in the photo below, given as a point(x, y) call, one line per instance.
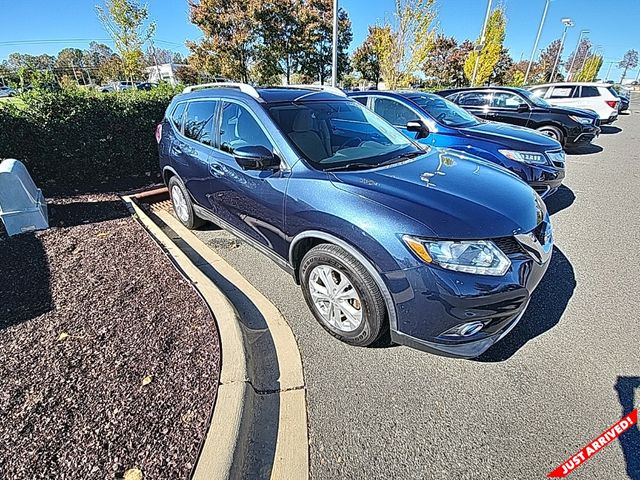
point(553, 132)
point(187, 216)
point(371, 304)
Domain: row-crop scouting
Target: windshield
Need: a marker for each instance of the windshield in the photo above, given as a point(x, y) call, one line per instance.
point(443, 111)
point(537, 101)
point(341, 134)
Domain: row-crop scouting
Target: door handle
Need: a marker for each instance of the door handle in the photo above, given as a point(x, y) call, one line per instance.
point(176, 149)
point(216, 169)
point(492, 114)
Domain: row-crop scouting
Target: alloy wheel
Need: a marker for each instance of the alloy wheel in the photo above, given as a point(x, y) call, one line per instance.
point(335, 298)
point(180, 203)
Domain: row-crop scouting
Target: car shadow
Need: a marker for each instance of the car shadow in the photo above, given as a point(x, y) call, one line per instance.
point(561, 199)
point(586, 149)
point(629, 440)
point(25, 287)
point(547, 305)
point(609, 130)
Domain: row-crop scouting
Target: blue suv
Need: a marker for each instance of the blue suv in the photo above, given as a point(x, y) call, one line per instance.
point(442, 248)
point(428, 118)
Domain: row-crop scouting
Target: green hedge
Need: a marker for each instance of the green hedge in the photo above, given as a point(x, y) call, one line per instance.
point(77, 139)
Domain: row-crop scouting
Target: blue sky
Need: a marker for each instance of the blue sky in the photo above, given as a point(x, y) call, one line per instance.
point(612, 23)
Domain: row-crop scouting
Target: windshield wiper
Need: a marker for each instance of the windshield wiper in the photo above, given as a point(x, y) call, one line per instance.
point(352, 166)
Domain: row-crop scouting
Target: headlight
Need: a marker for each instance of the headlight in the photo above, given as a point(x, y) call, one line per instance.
point(524, 157)
point(581, 120)
point(557, 157)
point(481, 257)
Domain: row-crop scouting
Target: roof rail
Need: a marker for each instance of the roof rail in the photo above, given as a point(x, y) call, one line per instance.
point(325, 88)
point(243, 87)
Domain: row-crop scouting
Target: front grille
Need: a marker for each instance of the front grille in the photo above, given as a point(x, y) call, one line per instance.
point(508, 245)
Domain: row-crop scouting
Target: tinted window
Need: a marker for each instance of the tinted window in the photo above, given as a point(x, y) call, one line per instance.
point(238, 128)
point(540, 91)
point(506, 100)
point(362, 100)
point(563, 92)
point(589, 92)
point(198, 121)
point(473, 99)
point(393, 112)
point(176, 116)
point(443, 111)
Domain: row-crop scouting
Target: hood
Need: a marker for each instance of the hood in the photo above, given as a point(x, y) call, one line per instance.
point(512, 137)
point(582, 112)
point(453, 195)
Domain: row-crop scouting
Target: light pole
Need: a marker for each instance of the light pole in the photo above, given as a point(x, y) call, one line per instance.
point(478, 48)
point(535, 45)
point(334, 53)
point(575, 54)
point(609, 70)
point(567, 22)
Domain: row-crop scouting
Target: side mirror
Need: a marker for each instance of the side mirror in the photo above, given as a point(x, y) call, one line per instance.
point(419, 127)
point(523, 107)
point(256, 157)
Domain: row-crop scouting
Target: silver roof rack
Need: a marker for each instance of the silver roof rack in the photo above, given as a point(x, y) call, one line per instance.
point(324, 88)
point(243, 87)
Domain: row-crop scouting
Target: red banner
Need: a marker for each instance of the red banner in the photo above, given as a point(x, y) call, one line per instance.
point(601, 441)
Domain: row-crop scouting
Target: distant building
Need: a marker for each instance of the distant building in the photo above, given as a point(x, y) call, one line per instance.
point(165, 72)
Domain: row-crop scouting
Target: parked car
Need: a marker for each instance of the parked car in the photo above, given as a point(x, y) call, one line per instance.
point(599, 97)
point(519, 107)
point(117, 86)
point(146, 85)
point(536, 158)
point(442, 248)
point(623, 95)
point(7, 92)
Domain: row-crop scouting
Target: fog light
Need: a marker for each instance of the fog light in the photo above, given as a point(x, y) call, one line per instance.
point(471, 328)
point(464, 330)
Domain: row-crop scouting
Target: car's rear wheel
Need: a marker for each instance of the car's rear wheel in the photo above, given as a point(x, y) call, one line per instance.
point(553, 132)
point(182, 205)
point(342, 295)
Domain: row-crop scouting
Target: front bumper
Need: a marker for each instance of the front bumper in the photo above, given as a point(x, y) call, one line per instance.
point(431, 301)
point(585, 135)
point(548, 181)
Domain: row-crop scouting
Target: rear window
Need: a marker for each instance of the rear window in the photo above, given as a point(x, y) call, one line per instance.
point(176, 116)
point(540, 91)
point(589, 92)
point(473, 99)
point(198, 122)
point(362, 100)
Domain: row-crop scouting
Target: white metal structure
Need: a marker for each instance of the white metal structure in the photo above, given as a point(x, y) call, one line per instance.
point(325, 88)
point(585, 95)
point(22, 205)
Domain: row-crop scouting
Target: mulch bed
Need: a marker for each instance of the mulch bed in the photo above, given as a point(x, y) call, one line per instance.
point(89, 309)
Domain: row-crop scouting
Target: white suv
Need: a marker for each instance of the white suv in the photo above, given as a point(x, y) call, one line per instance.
point(587, 96)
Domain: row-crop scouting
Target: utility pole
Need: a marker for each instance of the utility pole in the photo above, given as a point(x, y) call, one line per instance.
point(478, 48)
point(575, 54)
point(535, 44)
point(567, 22)
point(334, 56)
point(609, 70)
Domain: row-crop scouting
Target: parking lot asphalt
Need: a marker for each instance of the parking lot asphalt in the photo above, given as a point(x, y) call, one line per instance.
point(570, 369)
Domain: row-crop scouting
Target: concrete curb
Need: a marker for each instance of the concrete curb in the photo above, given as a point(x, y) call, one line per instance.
point(259, 424)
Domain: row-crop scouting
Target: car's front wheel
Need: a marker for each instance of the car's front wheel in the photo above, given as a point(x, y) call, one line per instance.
point(553, 132)
point(342, 295)
point(182, 205)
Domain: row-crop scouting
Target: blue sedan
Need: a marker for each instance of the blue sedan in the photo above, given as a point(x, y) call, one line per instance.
point(433, 120)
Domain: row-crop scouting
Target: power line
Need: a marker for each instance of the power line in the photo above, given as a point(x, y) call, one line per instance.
point(73, 40)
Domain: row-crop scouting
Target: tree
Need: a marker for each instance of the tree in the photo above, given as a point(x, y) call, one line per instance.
point(69, 63)
point(491, 50)
point(365, 58)
point(457, 61)
point(160, 56)
point(437, 65)
point(282, 32)
point(316, 57)
point(630, 60)
point(124, 21)
point(578, 57)
point(501, 68)
point(403, 43)
point(547, 62)
point(102, 63)
point(590, 70)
